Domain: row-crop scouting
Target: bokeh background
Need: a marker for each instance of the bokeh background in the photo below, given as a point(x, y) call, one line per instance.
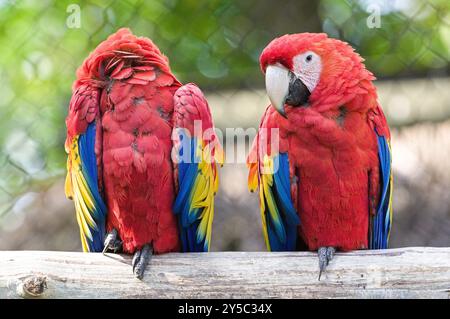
point(216, 44)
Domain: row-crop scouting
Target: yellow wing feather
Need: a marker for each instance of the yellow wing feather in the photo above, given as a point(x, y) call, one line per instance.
point(77, 189)
point(204, 189)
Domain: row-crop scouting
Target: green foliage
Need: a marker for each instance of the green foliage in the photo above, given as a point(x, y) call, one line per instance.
point(413, 38)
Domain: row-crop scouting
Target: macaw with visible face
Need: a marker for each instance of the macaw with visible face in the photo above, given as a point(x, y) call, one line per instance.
point(324, 176)
point(142, 177)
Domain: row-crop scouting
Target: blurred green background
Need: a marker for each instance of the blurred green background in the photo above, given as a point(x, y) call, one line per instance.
point(217, 45)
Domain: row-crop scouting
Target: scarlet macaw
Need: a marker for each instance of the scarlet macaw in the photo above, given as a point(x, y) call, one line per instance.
point(328, 184)
point(130, 191)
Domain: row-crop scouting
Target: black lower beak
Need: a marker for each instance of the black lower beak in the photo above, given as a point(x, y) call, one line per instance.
point(298, 92)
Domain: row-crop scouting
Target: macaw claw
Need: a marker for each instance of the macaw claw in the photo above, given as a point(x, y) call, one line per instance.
point(141, 259)
point(112, 242)
point(325, 254)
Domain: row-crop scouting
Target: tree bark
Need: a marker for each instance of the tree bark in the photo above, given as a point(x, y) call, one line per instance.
point(395, 273)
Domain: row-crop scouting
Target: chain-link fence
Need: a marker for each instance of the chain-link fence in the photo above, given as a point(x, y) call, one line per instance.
point(217, 45)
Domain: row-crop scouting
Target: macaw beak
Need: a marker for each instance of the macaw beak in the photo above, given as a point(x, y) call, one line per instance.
point(284, 87)
point(277, 86)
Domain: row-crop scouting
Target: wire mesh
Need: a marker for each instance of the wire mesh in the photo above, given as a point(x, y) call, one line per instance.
point(216, 44)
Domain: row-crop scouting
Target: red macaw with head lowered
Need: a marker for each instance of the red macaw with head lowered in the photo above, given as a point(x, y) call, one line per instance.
point(141, 171)
point(324, 175)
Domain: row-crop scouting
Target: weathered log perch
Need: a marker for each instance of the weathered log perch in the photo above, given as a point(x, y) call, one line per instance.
point(395, 273)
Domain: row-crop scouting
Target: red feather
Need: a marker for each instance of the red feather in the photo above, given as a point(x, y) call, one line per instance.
point(127, 86)
point(333, 155)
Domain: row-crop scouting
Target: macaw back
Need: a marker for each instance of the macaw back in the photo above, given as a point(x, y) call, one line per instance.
point(130, 81)
point(129, 121)
point(138, 174)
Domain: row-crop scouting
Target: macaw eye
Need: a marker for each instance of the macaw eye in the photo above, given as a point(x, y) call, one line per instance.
point(308, 58)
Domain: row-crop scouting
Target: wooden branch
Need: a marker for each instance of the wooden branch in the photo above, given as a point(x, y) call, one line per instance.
point(394, 273)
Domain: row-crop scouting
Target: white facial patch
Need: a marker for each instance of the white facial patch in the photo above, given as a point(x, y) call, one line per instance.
point(308, 67)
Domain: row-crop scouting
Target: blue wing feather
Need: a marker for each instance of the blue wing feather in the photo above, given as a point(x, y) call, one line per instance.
point(189, 217)
point(381, 222)
point(282, 233)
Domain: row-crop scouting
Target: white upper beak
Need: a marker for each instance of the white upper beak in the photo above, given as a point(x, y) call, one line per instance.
point(277, 86)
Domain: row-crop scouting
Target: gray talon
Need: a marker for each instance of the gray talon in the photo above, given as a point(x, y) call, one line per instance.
point(112, 242)
point(325, 254)
point(136, 256)
point(330, 254)
point(141, 259)
point(322, 253)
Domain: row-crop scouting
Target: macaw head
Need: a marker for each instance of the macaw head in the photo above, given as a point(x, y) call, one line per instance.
point(302, 67)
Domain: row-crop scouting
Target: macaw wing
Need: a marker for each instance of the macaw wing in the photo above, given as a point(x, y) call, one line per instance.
point(271, 174)
point(197, 152)
point(381, 221)
point(82, 181)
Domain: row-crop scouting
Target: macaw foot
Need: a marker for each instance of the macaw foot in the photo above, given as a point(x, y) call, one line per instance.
point(112, 242)
point(141, 259)
point(325, 254)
